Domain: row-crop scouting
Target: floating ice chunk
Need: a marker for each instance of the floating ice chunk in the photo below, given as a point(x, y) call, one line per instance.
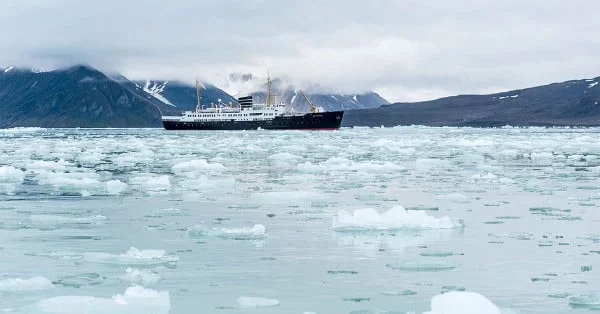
point(204, 184)
point(52, 222)
point(586, 301)
point(488, 176)
point(421, 267)
point(10, 178)
point(135, 300)
point(133, 257)
point(344, 164)
point(396, 218)
point(431, 163)
point(455, 302)
point(114, 187)
point(69, 181)
point(166, 212)
point(152, 183)
point(399, 293)
point(284, 157)
point(193, 167)
point(309, 167)
point(79, 280)
point(39, 165)
point(59, 255)
point(30, 284)
point(256, 302)
point(257, 232)
point(141, 276)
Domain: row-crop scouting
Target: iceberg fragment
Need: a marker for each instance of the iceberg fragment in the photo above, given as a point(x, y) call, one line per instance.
point(396, 218)
point(29, 284)
point(256, 232)
point(256, 302)
point(460, 302)
point(135, 300)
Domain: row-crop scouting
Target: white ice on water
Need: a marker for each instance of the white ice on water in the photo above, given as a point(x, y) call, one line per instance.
point(256, 302)
point(115, 187)
point(462, 302)
point(135, 300)
point(193, 167)
point(256, 232)
point(133, 257)
point(10, 179)
point(141, 276)
point(396, 218)
point(345, 164)
point(152, 183)
point(27, 284)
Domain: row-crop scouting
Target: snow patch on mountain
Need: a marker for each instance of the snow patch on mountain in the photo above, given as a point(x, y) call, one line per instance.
point(155, 89)
point(592, 84)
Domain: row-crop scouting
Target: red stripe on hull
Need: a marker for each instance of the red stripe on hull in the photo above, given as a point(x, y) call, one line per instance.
point(319, 129)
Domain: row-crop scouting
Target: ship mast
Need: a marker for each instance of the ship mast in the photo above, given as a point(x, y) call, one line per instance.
point(268, 100)
point(197, 95)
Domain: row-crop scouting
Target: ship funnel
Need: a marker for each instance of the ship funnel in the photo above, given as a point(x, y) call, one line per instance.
point(245, 102)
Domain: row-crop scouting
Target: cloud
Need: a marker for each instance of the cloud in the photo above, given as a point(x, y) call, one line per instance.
point(405, 49)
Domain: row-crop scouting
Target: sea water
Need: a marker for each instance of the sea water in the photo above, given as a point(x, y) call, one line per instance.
point(390, 220)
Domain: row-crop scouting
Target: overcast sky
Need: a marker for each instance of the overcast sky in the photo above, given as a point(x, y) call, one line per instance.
point(406, 50)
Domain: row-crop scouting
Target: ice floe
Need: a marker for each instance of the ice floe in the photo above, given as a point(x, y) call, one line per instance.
point(115, 187)
point(431, 163)
point(344, 164)
point(195, 167)
point(27, 284)
point(256, 232)
point(133, 257)
point(204, 184)
point(421, 266)
point(396, 218)
point(151, 183)
point(70, 181)
point(141, 276)
point(455, 302)
point(80, 280)
point(10, 179)
point(134, 300)
point(256, 302)
point(585, 301)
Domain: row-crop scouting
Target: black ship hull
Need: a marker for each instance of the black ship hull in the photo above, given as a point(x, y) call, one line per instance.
point(310, 121)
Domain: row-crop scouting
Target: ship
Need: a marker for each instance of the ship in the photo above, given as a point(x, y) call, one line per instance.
point(247, 115)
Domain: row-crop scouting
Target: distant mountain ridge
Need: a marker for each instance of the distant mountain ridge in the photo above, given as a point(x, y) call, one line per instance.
point(329, 102)
point(82, 96)
point(570, 103)
point(78, 96)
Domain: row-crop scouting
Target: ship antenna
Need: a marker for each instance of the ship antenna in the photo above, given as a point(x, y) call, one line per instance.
point(197, 95)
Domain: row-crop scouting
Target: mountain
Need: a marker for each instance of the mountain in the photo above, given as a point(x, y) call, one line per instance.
point(182, 95)
point(328, 101)
point(82, 96)
point(78, 96)
point(571, 103)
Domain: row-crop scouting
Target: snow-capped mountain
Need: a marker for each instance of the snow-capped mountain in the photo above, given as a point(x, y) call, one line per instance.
point(182, 96)
point(243, 84)
point(330, 102)
point(78, 96)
